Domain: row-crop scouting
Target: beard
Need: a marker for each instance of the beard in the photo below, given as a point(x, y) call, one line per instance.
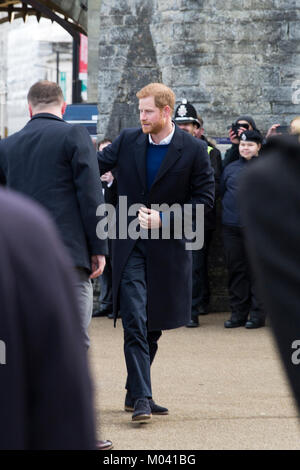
point(153, 128)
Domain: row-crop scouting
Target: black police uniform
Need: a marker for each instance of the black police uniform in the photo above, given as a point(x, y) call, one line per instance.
point(186, 113)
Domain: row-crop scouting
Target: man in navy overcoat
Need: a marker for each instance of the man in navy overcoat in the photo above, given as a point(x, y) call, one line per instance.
point(157, 163)
point(55, 163)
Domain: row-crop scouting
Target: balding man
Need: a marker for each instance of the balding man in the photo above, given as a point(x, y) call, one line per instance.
point(55, 163)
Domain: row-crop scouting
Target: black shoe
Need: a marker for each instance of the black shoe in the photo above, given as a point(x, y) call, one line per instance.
point(202, 310)
point(234, 323)
point(99, 313)
point(193, 323)
point(102, 312)
point(129, 403)
point(142, 410)
point(155, 409)
point(251, 324)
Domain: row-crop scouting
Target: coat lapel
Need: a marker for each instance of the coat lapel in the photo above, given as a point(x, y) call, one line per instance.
point(173, 153)
point(140, 154)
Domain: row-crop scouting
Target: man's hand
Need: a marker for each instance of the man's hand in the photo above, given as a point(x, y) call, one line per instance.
point(108, 177)
point(98, 264)
point(241, 130)
point(272, 130)
point(149, 218)
point(233, 138)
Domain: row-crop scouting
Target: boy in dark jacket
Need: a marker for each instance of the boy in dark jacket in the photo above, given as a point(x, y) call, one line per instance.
point(242, 124)
point(242, 291)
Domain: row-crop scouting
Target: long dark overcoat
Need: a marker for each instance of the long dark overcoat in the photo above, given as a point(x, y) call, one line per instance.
point(55, 163)
point(270, 206)
point(185, 175)
point(45, 388)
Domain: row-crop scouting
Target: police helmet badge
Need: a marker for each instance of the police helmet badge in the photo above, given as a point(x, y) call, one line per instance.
point(182, 111)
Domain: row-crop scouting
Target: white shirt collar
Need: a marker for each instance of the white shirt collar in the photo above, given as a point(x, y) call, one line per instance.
point(166, 140)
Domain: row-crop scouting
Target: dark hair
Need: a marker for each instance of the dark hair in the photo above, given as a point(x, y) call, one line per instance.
point(200, 120)
point(44, 92)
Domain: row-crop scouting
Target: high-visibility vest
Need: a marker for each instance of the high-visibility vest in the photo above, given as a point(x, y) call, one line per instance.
point(209, 149)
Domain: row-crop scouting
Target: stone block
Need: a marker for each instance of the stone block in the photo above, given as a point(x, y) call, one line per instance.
point(194, 94)
point(285, 5)
point(107, 77)
point(107, 50)
point(191, 5)
point(290, 109)
point(192, 59)
point(114, 35)
point(168, 17)
point(120, 7)
point(186, 31)
point(173, 5)
point(289, 74)
point(112, 62)
point(185, 76)
point(277, 94)
point(288, 46)
point(112, 20)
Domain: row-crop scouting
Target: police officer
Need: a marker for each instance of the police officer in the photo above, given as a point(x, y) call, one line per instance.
point(187, 119)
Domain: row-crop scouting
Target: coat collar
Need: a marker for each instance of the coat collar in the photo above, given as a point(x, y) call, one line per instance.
point(45, 116)
point(173, 153)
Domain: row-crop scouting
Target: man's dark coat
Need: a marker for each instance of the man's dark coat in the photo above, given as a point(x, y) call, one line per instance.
point(111, 192)
point(55, 163)
point(45, 388)
point(270, 203)
point(184, 176)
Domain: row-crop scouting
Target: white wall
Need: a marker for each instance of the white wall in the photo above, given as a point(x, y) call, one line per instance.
point(29, 58)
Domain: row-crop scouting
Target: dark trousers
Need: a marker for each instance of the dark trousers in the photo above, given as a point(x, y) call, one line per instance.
point(201, 292)
point(140, 345)
point(105, 281)
point(241, 283)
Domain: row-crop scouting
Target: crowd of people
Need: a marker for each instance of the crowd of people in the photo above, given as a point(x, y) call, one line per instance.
point(151, 284)
point(247, 143)
point(246, 308)
point(243, 300)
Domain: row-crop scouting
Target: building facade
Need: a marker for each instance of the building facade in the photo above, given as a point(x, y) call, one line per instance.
point(31, 51)
point(228, 58)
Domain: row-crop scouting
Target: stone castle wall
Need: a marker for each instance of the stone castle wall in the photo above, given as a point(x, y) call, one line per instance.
point(227, 58)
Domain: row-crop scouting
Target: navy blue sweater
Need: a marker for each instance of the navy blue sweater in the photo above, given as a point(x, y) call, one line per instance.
point(155, 155)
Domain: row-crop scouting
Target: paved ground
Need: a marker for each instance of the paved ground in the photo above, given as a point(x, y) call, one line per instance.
point(225, 389)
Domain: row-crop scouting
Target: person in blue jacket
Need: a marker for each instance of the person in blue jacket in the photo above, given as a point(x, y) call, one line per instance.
point(241, 285)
